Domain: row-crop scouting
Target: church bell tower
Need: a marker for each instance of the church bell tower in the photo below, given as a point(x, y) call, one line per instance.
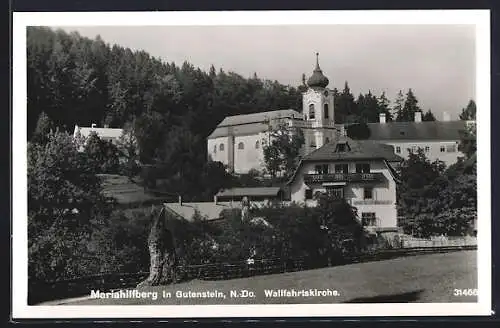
point(318, 110)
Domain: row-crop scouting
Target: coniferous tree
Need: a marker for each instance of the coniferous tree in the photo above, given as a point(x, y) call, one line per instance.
point(43, 128)
point(410, 107)
point(344, 105)
point(398, 106)
point(469, 112)
point(428, 116)
point(383, 107)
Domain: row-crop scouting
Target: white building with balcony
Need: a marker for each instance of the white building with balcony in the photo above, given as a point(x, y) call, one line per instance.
point(361, 172)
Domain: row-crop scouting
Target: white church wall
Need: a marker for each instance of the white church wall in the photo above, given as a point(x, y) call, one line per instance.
point(251, 156)
point(218, 149)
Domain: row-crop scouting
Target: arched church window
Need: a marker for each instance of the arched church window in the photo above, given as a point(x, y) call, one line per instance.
point(257, 145)
point(311, 111)
point(241, 145)
point(327, 140)
point(325, 111)
point(221, 147)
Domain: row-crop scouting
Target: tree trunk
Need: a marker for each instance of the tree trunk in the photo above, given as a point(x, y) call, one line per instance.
point(162, 254)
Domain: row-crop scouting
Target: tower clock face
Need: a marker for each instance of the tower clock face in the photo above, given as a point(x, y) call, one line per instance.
point(326, 93)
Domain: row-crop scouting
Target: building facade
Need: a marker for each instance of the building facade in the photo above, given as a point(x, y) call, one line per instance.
point(438, 139)
point(238, 141)
point(361, 172)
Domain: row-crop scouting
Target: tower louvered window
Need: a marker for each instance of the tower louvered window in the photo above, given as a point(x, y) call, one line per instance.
point(311, 111)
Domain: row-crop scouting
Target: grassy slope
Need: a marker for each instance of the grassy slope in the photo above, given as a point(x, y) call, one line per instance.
point(422, 278)
point(124, 190)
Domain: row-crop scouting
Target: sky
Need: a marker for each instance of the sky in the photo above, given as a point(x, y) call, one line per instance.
point(436, 61)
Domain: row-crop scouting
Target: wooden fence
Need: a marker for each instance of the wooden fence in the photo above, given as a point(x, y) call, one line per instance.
point(44, 291)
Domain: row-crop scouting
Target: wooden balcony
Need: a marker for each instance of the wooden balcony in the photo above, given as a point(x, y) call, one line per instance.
point(344, 177)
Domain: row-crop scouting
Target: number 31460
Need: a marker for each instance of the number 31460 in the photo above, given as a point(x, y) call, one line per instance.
point(465, 292)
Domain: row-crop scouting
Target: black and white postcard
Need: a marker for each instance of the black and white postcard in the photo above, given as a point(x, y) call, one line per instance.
point(251, 164)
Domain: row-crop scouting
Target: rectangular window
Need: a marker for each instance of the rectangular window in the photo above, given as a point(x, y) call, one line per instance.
point(362, 168)
point(427, 149)
point(321, 169)
point(442, 149)
point(398, 150)
point(311, 111)
point(336, 193)
point(342, 168)
point(309, 194)
point(368, 219)
point(450, 148)
point(368, 193)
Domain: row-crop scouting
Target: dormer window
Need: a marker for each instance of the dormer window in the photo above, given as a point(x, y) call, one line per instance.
point(342, 147)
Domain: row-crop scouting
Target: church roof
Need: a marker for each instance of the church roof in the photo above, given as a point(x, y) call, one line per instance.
point(317, 79)
point(259, 117)
point(356, 150)
point(434, 130)
point(250, 123)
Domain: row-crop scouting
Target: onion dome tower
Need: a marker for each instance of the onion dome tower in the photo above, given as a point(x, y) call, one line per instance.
point(317, 79)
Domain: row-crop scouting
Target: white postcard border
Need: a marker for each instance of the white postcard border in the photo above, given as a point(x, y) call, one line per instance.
point(479, 18)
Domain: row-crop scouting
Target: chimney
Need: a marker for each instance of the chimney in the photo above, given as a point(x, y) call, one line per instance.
point(180, 200)
point(382, 117)
point(215, 199)
point(93, 125)
point(418, 116)
point(106, 126)
point(446, 116)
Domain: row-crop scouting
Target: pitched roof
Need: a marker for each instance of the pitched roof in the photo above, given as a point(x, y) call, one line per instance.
point(254, 191)
point(210, 210)
point(434, 130)
point(239, 130)
point(358, 149)
point(250, 123)
point(259, 117)
point(111, 133)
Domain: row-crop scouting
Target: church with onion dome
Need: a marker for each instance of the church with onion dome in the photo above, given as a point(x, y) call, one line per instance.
point(238, 141)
